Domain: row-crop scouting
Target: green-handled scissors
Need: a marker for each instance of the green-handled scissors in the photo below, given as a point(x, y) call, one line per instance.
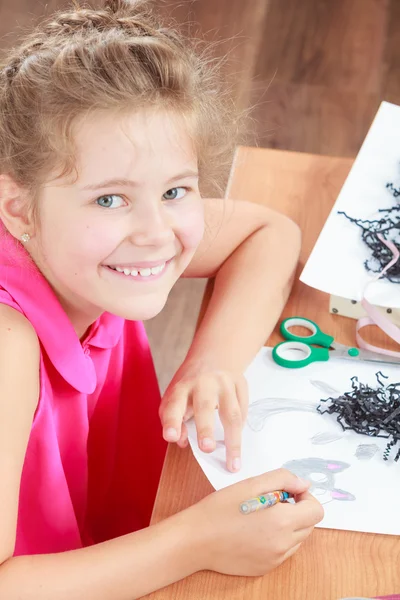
point(302, 343)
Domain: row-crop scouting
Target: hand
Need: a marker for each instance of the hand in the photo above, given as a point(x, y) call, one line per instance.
point(235, 544)
point(199, 391)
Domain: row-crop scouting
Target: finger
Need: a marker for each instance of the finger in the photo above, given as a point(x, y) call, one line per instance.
point(205, 399)
point(242, 394)
point(188, 413)
point(280, 479)
point(232, 421)
point(307, 512)
point(172, 414)
point(183, 440)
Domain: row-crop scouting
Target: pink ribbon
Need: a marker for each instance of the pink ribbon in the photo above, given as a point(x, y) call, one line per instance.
point(375, 317)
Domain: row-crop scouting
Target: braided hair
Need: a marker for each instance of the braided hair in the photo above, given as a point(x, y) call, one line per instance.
point(120, 58)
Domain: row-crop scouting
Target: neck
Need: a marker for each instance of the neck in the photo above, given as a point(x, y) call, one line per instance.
point(80, 321)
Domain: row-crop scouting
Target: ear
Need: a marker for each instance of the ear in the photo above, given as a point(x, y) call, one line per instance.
point(342, 495)
point(336, 466)
point(14, 207)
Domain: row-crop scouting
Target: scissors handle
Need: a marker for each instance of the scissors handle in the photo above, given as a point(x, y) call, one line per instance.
point(286, 354)
point(316, 336)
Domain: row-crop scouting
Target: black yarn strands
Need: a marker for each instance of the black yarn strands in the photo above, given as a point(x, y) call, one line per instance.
point(370, 411)
point(388, 226)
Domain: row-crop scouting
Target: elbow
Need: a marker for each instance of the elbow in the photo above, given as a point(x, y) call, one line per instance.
point(289, 233)
point(5, 558)
point(295, 235)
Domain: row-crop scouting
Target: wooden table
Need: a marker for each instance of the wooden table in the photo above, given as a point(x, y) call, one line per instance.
point(331, 564)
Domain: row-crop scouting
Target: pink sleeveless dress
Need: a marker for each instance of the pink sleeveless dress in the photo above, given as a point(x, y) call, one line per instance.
point(95, 450)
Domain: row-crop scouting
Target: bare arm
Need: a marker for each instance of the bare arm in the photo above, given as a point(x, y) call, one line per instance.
point(252, 251)
point(125, 568)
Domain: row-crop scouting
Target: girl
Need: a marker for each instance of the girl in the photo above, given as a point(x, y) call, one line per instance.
point(108, 123)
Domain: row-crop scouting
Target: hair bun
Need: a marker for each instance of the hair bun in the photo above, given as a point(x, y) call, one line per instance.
point(124, 14)
point(124, 7)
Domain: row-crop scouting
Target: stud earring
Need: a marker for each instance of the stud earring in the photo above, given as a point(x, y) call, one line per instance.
point(25, 237)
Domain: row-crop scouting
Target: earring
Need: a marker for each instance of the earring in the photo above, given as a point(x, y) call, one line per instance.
point(25, 237)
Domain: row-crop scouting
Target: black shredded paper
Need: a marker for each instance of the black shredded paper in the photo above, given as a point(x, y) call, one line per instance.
point(370, 411)
point(388, 226)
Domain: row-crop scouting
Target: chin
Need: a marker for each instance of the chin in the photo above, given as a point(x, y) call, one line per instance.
point(139, 311)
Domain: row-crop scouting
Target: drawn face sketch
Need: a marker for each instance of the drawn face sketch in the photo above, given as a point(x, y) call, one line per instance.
point(321, 473)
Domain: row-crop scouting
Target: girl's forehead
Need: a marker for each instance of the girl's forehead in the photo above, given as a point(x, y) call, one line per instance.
point(142, 142)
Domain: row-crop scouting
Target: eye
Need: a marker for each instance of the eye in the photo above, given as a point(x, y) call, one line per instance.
point(110, 201)
point(175, 193)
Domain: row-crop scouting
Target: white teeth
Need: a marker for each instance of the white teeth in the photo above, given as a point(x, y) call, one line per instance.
point(142, 272)
point(157, 270)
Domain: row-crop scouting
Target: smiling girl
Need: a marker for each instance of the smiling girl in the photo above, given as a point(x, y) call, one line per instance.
point(109, 123)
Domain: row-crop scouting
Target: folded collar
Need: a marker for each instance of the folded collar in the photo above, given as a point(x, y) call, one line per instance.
point(31, 291)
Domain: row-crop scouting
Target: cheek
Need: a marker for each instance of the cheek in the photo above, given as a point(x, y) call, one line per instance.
point(190, 227)
point(97, 242)
point(91, 242)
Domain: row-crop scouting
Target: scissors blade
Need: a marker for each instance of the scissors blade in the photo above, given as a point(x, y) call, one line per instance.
point(341, 351)
point(376, 357)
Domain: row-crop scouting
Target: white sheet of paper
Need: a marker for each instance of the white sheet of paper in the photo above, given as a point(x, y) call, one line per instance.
point(336, 264)
point(290, 435)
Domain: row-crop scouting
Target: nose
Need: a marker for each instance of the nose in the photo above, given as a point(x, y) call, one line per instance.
point(152, 226)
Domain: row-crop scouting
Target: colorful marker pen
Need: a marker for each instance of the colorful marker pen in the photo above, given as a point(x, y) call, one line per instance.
point(264, 501)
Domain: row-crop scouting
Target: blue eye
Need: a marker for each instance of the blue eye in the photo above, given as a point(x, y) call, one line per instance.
point(108, 201)
point(175, 193)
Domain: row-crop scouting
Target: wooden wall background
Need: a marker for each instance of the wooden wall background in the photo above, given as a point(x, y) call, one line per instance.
point(314, 71)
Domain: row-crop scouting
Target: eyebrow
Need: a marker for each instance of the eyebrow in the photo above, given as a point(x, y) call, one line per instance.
point(130, 183)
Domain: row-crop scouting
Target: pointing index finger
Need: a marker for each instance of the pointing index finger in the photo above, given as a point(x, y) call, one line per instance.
point(231, 418)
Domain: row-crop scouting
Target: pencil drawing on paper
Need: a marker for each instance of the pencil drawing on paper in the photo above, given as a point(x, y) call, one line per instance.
point(367, 410)
point(325, 437)
point(260, 410)
point(331, 424)
point(321, 473)
point(324, 387)
point(366, 451)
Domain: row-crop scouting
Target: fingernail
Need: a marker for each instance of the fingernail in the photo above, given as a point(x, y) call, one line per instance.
point(236, 464)
point(207, 443)
point(171, 434)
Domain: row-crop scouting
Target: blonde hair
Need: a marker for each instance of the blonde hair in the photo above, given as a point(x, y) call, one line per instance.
point(115, 58)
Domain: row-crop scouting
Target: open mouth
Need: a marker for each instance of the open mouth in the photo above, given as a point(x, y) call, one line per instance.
point(139, 273)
